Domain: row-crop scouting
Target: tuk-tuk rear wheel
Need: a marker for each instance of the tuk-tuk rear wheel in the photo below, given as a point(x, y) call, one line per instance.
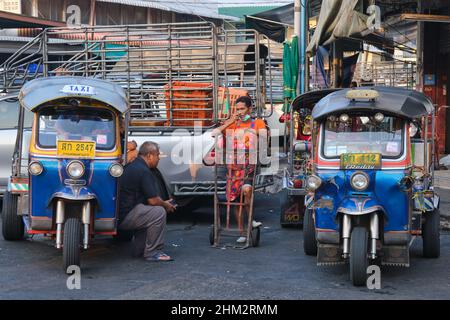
point(71, 244)
point(358, 256)
point(12, 224)
point(430, 235)
point(309, 234)
point(286, 202)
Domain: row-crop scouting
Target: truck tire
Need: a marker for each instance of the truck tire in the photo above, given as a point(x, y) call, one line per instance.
point(71, 244)
point(12, 224)
point(358, 256)
point(430, 235)
point(309, 234)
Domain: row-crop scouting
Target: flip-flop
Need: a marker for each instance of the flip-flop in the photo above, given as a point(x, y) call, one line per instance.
point(159, 257)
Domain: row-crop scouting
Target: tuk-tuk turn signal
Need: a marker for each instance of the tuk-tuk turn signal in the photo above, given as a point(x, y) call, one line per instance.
point(35, 168)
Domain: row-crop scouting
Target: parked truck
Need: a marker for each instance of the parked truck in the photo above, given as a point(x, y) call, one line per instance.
point(181, 80)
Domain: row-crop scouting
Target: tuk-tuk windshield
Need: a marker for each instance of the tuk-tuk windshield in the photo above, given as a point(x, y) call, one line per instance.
point(363, 134)
point(76, 124)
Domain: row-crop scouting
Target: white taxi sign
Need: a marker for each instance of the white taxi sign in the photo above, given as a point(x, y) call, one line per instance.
point(78, 89)
point(362, 94)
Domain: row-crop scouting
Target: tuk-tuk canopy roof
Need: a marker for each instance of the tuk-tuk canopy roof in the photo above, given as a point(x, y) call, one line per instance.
point(309, 99)
point(398, 102)
point(39, 91)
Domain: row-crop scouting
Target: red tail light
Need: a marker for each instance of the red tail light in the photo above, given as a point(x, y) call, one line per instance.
point(298, 183)
point(284, 117)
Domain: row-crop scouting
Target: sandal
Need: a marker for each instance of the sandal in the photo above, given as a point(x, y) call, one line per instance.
point(159, 256)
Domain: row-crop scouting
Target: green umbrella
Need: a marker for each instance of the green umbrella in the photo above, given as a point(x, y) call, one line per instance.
point(290, 71)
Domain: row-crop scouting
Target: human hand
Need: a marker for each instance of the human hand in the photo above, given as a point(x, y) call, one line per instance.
point(169, 206)
point(232, 119)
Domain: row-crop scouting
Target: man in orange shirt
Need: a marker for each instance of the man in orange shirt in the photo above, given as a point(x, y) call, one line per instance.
point(242, 121)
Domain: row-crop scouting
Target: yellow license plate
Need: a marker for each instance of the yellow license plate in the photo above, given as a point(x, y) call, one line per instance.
point(82, 149)
point(360, 161)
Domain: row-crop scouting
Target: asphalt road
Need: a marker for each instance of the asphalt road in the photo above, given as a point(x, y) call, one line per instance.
point(278, 269)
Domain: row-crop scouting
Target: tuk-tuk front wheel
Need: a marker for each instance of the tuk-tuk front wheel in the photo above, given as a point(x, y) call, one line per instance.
point(12, 224)
point(309, 234)
point(72, 242)
point(358, 256)
point(430, 235)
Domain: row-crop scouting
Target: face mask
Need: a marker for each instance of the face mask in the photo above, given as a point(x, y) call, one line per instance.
point(245, 118)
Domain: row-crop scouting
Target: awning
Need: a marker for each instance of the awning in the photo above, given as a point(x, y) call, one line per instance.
point(10, 20)
point(337, 19)
point(207, 10)
point(272, 23)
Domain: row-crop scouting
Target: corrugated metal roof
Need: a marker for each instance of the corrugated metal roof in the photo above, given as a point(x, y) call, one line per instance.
point(201, 9)
point(139, 3)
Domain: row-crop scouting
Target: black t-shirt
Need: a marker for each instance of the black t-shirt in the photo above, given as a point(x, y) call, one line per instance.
point(161, 188)
point(139, 183)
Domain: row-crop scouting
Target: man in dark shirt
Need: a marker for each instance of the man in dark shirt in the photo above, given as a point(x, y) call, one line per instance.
point(144, 202)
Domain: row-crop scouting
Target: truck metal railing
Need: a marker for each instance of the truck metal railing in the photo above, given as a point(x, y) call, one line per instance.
point(386, 73)
point(172, 73)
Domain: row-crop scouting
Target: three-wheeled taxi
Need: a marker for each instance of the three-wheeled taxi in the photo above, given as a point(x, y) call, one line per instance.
point(292, 197)
point(66, 183)
point(371, 187)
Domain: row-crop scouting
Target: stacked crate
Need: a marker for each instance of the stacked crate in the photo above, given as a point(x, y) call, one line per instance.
point(191, 103)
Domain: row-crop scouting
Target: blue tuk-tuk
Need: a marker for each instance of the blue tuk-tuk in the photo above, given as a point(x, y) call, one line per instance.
point(370, 192)
point(65, 183)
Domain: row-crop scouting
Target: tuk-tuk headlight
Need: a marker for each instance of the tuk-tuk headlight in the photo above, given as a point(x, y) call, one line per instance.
point(359, 181)
point(75, 169)
point(35, 168)
point(116, 170)
point(313, 182)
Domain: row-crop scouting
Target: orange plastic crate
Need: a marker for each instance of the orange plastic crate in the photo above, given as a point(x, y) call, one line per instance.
point(182, 93)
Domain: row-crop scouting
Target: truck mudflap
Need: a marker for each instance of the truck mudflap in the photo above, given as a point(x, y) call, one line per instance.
point(18, 185)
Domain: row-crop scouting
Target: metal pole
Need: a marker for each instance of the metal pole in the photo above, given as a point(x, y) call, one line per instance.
point(302, 43)
point(92, 13)
point(419, 51)
point(297, 32)
point(297, 6)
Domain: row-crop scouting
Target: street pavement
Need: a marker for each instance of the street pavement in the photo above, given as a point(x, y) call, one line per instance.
point(277, 269)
